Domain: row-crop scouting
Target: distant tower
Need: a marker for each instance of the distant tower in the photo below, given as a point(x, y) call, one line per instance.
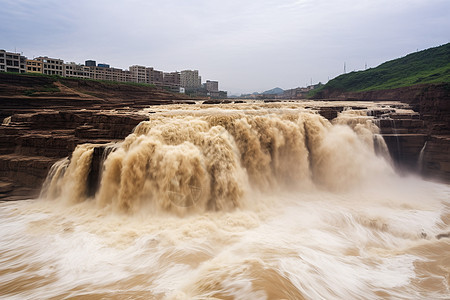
point(365, 67)
point(344, 68)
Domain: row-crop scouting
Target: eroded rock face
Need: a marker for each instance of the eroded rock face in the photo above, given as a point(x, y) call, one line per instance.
point(413, 149)
point(435, 162)
point(31, 143)
point(406, 134)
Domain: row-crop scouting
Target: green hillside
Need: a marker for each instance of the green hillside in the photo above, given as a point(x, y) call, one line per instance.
point(427, 66)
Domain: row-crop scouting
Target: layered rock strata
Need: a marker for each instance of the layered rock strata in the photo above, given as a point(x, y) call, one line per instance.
point(32, 142)
point(406, 134)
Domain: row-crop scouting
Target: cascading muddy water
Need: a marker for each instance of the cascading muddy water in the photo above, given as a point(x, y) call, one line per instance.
point(209, 161)
point(232, 202)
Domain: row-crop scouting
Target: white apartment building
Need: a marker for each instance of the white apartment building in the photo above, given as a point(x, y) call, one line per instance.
point(12, 62)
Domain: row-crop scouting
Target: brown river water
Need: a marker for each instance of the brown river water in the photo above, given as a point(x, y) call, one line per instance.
point(237, 201)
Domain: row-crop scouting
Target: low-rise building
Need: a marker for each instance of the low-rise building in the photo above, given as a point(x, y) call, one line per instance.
point(12, 62)
point(51, 66)
point(121, 75)
point(34, 66)
point(110, 74)
point(76, 70)
point(154, 76)
point(172, 80)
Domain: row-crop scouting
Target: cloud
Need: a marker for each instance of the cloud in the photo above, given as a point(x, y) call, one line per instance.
point(247, 45)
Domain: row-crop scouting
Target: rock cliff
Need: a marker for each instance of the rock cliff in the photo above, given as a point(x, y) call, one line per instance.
point(406, 135)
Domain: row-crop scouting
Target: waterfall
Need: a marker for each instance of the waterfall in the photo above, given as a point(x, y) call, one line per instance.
point(420, 161)
point(6, 121)
point(198, 162)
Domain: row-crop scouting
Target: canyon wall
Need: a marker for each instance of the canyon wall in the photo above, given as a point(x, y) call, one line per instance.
point(430, 125)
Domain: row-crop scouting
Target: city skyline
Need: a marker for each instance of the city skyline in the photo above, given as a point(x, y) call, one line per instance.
point(248, 46)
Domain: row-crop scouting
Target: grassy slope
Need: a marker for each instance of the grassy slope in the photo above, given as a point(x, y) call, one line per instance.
point(57, 77)
point(427, 66)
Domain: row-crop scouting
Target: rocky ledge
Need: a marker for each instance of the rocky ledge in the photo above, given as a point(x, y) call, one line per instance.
point(419, 140)
point(31, 143)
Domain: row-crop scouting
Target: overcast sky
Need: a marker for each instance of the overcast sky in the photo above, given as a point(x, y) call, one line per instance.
point(247, 45)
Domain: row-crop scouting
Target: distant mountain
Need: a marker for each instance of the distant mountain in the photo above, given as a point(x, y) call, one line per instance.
point(424, 67)
point(274, 91)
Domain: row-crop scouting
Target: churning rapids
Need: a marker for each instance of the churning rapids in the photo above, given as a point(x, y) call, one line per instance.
point(233, 202)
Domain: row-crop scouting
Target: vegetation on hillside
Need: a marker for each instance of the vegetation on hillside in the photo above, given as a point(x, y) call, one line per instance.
point(423, 67)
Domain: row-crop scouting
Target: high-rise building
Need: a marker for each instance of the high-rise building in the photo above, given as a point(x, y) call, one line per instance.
point(51, 66)
point(189, 79)
point(12, 62)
